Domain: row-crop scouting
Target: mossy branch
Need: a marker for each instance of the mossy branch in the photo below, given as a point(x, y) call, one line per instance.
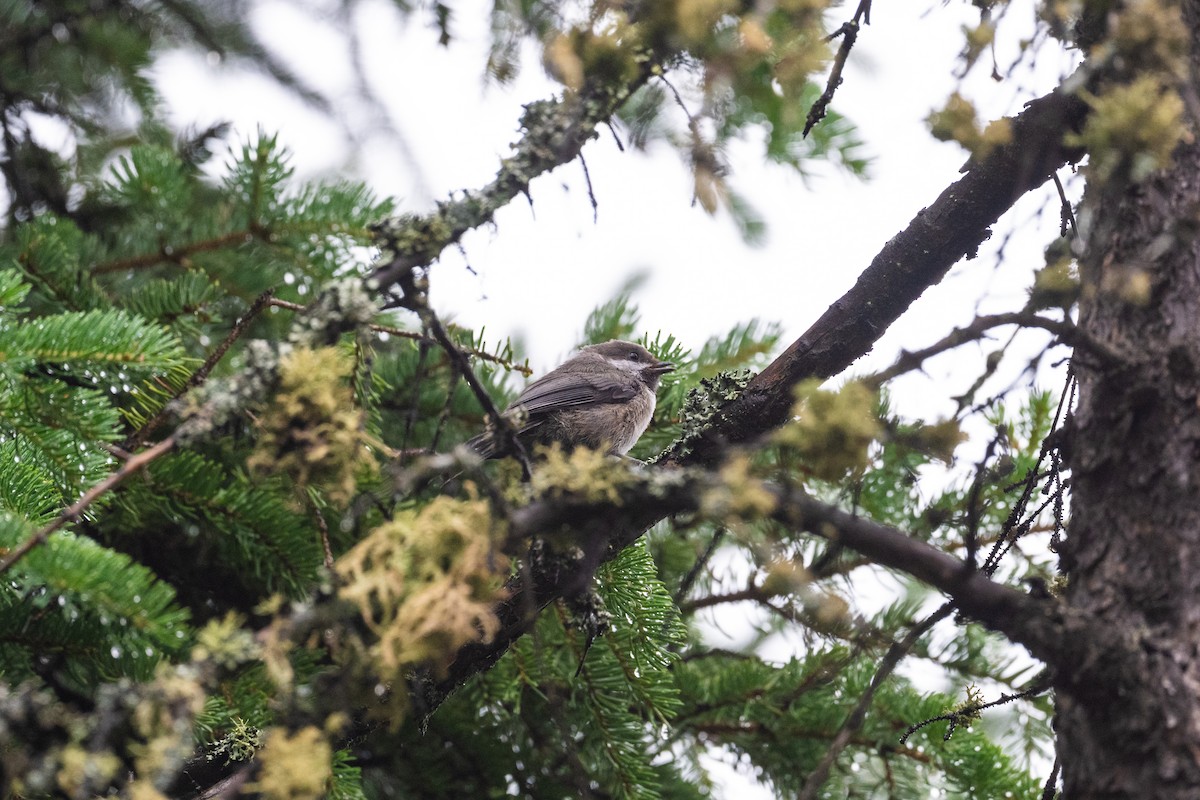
point(555, 132)
point(604, 529)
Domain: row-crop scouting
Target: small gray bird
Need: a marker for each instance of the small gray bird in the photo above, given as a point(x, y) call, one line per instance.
point(602, 398)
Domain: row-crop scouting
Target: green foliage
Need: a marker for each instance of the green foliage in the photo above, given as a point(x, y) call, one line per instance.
point(91, 612)
point(613, 708)
point(253, 534)
point(221, 598)
point(783, 716)
point(615, 319)
point(346, 782)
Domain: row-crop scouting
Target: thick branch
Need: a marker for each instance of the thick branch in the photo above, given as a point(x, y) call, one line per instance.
point(1023, 619)
point(915, 259)
point(603, 530)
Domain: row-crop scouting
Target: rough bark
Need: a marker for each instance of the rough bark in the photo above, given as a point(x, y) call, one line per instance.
point(937, 238)
point(1133, 551)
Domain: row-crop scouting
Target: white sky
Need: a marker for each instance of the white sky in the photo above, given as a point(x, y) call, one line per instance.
point(541, 269)
point(538, 271)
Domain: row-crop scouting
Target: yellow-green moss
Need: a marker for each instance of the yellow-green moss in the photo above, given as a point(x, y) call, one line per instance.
point(832, 431)
point(225, 642)
point(740, 496)
point(80, 768)
point(1132, 131)
point(957, 121)
point(312, 431)
point(294, 767)
point(582, 474)
point(425, 583)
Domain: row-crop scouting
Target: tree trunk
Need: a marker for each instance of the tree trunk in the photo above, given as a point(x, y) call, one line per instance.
point(1129, 722)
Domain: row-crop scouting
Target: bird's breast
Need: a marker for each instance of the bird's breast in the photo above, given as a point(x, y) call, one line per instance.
point(614, 427)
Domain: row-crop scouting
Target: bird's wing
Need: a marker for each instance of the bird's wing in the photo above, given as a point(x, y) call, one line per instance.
point(485, 443)
point(555, 391)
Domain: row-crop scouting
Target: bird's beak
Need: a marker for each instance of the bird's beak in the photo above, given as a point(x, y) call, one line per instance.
point(660, 368)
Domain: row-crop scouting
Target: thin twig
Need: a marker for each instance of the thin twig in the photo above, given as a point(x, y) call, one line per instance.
point(587, 177)
point(702, 151)
point(692, 123)
point(400, 333)
point(854, 722)
point(752, 593)
point(76, 509)
point(1012, 528)
point(849, 34)
point(615, 135)
point(1067, 332)
point(200, 375)
point(689, 580)
point(459, 359)
point(974, 510)
point(176, 254)
point(1040, 684)
point(1066, 213)
point(323, 527)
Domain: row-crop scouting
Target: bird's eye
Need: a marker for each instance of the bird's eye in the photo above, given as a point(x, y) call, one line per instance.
point(634, 357)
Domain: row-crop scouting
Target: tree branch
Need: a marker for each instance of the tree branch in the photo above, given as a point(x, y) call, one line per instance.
point(555, 133)
point(602, 530)
point(73, 512)
point(918, 257)
point(400, 333)
point(858, 715)
point(915, 259)
point(240, 326)
point(849, 34)
point(1066, 332)
point(1029, 621)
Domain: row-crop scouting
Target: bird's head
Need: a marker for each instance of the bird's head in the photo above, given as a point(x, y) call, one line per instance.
point(632, 358)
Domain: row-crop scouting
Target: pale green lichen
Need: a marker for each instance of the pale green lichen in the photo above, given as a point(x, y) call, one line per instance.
point(832, 430)
point(1132, 131)
point(240, 744)
point(968, 711)
point(702, 407)
point(215, 403)
point(425, 584)
point(294, 766)
point(312, 431)
point(343, 305)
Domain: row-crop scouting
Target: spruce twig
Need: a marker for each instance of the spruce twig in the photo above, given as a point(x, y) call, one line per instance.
point(76, 509)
